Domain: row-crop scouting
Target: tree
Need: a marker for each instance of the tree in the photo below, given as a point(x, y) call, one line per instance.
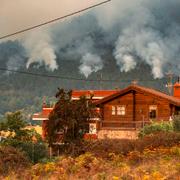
point(14, 123)
point(21, 138)
point(69, 117)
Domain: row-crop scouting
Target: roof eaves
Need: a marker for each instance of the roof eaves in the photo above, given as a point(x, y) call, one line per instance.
point(173, 100)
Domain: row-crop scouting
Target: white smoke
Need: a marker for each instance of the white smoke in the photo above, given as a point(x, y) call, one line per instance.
point(148, 31)
point(127, 62)
point(141, 31)
point(40, 50)
point(90, 63)
point(140, 41)
point(147, 46)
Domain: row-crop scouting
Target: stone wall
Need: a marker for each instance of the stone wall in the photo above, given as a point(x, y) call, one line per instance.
point(117, 134)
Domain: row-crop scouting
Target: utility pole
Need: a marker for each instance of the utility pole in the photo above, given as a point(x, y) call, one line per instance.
point(100, 81)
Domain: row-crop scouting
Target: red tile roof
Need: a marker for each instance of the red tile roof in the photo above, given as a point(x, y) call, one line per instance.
point(173, 100)
point(97, 94)
point(44, 115)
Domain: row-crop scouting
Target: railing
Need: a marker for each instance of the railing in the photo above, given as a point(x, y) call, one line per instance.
point(123, 124)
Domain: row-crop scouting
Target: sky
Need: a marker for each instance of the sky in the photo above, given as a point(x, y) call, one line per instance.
point(139, 31)
point(20, 14)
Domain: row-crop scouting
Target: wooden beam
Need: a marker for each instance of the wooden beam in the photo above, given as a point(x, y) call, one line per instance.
point(134, 105)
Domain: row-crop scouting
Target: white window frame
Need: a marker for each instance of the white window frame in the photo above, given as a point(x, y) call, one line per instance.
point(121, 110)
point(113, 110)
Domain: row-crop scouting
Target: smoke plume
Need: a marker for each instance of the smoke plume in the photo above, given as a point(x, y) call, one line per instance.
point(140, 31)
point(90, 63)
point(40, 49)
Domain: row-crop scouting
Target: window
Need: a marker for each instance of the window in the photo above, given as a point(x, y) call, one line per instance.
point(113, 110)
point(153, 112)
point(121, 110)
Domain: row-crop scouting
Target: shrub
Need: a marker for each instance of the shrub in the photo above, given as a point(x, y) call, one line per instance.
point(11, 159)
point(135, 157)
point(155, 128)
point(103, 148)
point(34, 151)
point(176, 123)
point(162, 139)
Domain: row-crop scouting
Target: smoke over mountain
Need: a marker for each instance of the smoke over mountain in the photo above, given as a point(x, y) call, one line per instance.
point(40, 49)
point(140, 31)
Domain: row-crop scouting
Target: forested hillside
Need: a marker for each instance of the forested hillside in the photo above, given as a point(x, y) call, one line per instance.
point(21, 91)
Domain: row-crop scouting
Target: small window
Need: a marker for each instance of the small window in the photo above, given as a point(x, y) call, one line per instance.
point(121, 110)
point(153, 112)
point(113, 110)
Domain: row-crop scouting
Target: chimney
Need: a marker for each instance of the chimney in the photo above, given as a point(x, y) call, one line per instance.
point(134, 82)
point(177, 88)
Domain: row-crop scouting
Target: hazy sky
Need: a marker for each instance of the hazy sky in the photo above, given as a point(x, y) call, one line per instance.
point(139, 31)
point(19, 14)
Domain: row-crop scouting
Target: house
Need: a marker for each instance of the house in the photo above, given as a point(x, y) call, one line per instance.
point(123, 112)
point(76, 94)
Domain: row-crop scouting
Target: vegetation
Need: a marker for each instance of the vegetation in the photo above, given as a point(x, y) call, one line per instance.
point(35, 152)
point(156, 127)
point(176, 123)
point(14, 124)
point(69, 117)
point(103, 147)
point(106, 159)
point(17, 136)
point(154, 156)
point(161, 163)
point(11, 159)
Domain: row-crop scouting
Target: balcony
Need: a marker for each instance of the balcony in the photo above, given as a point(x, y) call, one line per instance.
point(123, 124)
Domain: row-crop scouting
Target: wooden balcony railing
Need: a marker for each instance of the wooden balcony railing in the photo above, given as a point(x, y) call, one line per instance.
point(123, 124)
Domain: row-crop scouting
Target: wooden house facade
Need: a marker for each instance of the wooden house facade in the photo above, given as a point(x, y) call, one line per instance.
point(135, 106)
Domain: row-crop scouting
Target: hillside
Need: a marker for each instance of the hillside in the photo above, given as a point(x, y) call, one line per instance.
point(153, 158)
point(19, 91)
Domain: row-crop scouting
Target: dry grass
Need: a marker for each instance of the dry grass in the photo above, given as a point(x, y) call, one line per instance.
point(12, 160)
point(153, 157)
point(151, 164)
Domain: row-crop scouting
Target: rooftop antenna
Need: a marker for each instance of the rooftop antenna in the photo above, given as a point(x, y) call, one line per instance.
point(178, 79)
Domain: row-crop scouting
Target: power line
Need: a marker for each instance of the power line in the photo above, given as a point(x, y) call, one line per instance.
point(73, 78)
point(53, 20)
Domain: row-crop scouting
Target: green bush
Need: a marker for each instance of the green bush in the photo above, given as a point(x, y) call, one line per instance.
point(34, 151)
point(176, 123)
point(156, 127)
